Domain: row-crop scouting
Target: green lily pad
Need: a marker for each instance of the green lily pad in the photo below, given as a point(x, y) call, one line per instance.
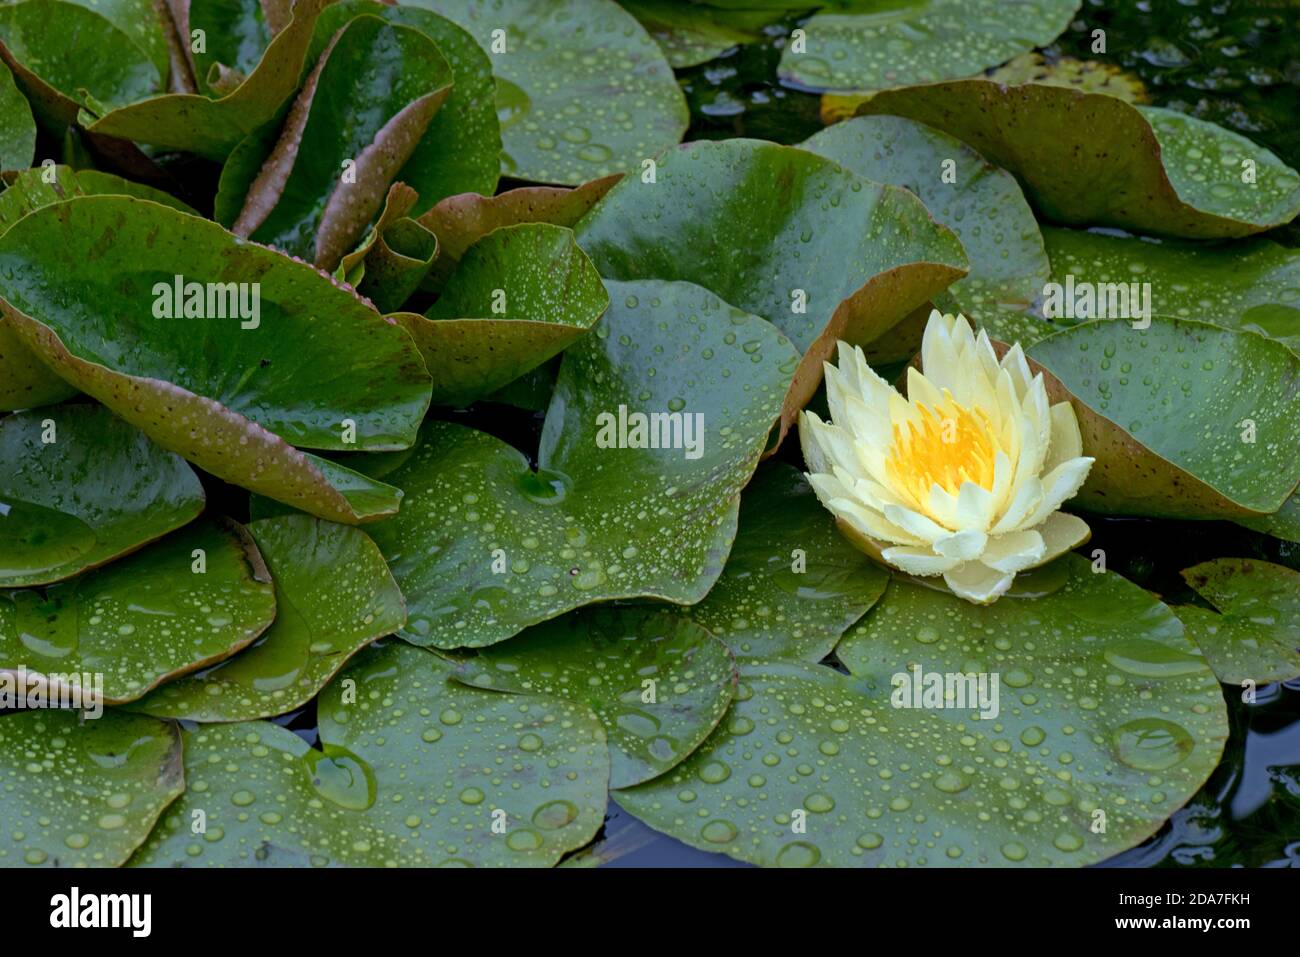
point(214, 127)
point(141, 21)
point(367, 103)
point(1253, 284)
point(144, 619)
point(460, 151)
point(238, 417)
point(1185, 420)
point(1255, 636)
point(486, 546)
point(521, 295)
point(1107, 721)
point(782, 233)
point(333, 595)
point(25, 381)
point(395, 256)
point(236, 36)
point(872, 46)
point(983, 205)
point(1090, 159)
point(691, 33)
point(792, 583)
point(415, 770)
point(64, 55)
point(99, 786)
point(1284, 523)
point(462, 220)
point(17, 125)
point(98, 490)
point(658, 682)
point(582, 89)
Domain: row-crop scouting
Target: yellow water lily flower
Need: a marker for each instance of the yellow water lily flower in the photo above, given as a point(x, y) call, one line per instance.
point(964, 477)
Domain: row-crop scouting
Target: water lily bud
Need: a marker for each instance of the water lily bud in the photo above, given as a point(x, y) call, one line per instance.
point(964, 477)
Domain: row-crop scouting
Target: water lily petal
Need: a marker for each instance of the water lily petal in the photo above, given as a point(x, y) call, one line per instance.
point(976, 582)
point(1023, 500)
point(1014, 551)
point(974, 507)
point(965, 545)
point(915, 523)
point(918, 561)
point(1066, 442)
point(1058, 485)
point(1062, 532)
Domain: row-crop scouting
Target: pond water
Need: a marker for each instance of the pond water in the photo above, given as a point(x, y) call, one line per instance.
point(1237, 64)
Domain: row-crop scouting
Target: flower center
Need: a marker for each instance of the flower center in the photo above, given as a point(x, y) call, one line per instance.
point(950, 445)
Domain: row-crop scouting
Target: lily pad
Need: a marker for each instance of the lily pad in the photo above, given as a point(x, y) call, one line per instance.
point(658, 682)
point(871, 46)
point(792, 583)
point(97, 490)
point(782, 233)
point(460, 151)
point(141, 21)
point(17, 125)
point(486, 546)
point(415, 771)
point(395, 256)
point(367, 103)
point(1185, 420)
point(1284, 523)
point(1255, 636)
point(521, 295)
point(99, 785)
point(1253, 284)
point(238, 417)
point(582, 89)
point(982, 205)
point(25, 381)
point(694, 33)
point(214, 127)
point(1106, 722)
point(1090, 159)
point(145, 619)
point(333, 595)
point(462, 220)
point(236, 34)
point(65, 55)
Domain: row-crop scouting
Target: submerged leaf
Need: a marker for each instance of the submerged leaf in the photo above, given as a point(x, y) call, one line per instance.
point(416, 770)
point(1185, 420)
point(582, 90)
point(300, 358)
point(1101, 714)
point(1089, 159)
point(486, 546)
point(658, 682)
point(96, 490)
point(190, 600)
point(99, 786)
point(333, 596)
point(521, 295)
point(1255, 637)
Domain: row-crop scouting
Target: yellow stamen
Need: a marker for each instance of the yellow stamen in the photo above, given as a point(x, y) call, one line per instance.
point(951, 445)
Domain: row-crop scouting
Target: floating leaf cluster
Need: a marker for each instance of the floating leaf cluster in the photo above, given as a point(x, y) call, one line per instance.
point(394, 374)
